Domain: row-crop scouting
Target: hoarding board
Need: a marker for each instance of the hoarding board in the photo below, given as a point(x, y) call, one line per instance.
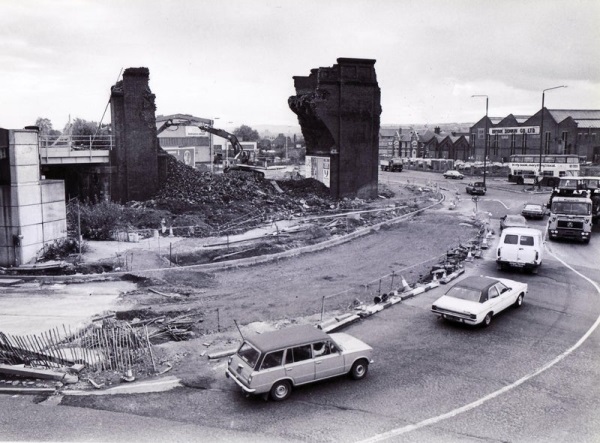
point(318, 168)
point(184, 155)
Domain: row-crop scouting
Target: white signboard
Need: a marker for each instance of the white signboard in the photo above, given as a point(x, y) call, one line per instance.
point(195, 131)
point(318, 168)
point(517, 130)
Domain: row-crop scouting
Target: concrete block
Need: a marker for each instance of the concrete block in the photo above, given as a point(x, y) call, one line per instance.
point(7, 255)
point(29, 252)
point(27, 215)
point(26, 194)
point(54, 211)
point(5, 215)
point(53, 191)
point(32, 235)
point(54, 230)
point(6, 237)
point(24, 174)
point(22, 137)
point(24, 155)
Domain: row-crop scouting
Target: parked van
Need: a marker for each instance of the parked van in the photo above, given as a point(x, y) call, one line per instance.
point(274, 362)
point(520, 248)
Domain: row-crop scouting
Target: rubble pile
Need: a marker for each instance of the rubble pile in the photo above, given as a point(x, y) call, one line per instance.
point(234, 195)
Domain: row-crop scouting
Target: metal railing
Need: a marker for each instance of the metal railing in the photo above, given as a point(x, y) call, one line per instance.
point(77, 142)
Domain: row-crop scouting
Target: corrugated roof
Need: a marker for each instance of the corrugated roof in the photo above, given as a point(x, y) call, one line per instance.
point(576, 114)
point(496, 120)
point(591, 124)
point(522, 118)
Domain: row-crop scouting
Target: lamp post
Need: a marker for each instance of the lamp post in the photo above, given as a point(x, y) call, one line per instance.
point(542, 132)
point(210, 146)
point(485, 137)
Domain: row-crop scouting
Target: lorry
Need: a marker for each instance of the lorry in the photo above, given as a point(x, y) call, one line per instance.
point(393, 164)
point(571, 210)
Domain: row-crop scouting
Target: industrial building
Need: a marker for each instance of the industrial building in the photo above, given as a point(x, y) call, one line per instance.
point(564, 132)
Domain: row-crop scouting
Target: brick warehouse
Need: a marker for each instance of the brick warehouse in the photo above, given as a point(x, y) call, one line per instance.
point(565, 132)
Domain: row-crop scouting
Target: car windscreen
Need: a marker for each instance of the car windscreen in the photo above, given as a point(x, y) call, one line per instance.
point(464, 293)
point(573, 208)
point(249, 354)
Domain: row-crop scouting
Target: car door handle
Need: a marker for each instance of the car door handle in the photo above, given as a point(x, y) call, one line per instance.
point(289, 369)
point(318, 362)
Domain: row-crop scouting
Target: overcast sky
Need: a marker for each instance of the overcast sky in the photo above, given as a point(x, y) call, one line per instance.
point(235, 59)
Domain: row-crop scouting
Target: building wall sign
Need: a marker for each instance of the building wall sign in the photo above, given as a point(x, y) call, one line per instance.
point(195, 131)
point(517, 130)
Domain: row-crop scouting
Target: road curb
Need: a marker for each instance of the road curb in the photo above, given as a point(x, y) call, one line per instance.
point(143, 387)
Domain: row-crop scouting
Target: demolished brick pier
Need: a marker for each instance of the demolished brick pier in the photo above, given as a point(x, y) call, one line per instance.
point(338, 109)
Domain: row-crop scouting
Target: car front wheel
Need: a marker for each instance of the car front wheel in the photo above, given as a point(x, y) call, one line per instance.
point(281, 390)
point(519, 301)
point(359, 369)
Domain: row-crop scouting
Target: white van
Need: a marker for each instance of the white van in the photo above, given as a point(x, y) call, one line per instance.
point(520, 248)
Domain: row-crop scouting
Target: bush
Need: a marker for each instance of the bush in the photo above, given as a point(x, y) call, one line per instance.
point(97, 220)
point(62, 248)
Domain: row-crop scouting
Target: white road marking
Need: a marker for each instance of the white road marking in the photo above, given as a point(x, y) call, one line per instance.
point(481, 401)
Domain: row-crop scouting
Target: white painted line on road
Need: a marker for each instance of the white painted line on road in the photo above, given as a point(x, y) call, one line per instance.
point(481, 401)
point(499, 201)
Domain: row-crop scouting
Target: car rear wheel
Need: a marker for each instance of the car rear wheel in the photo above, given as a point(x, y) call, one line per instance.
point(359, 369)
point(281, 390)
point(487, 320)
point(519, 301)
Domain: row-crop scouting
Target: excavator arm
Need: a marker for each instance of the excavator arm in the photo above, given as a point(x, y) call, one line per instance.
point(239, 153)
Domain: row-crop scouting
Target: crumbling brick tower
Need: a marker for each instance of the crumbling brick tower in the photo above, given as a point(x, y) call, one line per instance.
point(338, 110)
point(134, 159)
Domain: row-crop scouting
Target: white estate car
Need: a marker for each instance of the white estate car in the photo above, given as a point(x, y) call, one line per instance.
point(475, 300)
point(274, 362)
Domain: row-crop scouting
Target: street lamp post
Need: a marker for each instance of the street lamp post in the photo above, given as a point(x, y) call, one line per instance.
point(542, 132)
point(210, 146)
point(485, 137)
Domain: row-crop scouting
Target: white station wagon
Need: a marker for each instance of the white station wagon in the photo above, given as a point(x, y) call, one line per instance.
point(274, 362)
point(475, 300)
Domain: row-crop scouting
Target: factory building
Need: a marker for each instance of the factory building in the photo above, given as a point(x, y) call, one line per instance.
point(563, 132)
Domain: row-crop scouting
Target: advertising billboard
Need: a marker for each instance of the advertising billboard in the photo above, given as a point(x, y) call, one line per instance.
point(318, 168)
point(184, 155)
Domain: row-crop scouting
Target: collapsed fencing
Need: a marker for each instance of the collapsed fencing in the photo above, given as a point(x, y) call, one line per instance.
point(111, 345)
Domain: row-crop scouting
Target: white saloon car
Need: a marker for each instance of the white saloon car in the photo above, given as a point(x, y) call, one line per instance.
point(273, 363)
point(475, 300)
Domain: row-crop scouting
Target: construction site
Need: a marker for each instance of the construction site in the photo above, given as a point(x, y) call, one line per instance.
point(200, 247)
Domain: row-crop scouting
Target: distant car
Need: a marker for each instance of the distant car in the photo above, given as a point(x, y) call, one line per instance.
point(453, 174)
point(475, 300)
point(476, 188)
point(533, 210)
point(512, 221)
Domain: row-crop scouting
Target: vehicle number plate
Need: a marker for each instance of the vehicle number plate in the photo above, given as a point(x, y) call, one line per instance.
point(452, 317)
point(517, 265)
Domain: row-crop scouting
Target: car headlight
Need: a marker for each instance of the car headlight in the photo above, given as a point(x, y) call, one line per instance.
point(249, 378)
point(472, 316)
point(230, 360)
